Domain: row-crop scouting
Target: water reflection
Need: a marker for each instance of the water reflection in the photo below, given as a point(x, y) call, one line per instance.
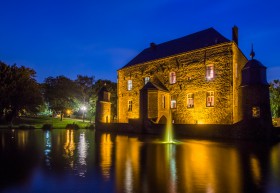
point(48, 148)
point(80, 161)
point(81, 166)
point(69, 147)
point(106, 155)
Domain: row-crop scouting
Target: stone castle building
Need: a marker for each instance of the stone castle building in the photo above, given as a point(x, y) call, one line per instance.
point(197, 79)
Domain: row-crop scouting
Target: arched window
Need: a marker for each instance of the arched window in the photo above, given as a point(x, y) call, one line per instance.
point(146, 80)
point(163, 99)
point(172, 78)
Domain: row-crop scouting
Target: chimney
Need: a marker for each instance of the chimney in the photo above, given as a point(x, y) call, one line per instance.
point(153, 46)
point(235, 34)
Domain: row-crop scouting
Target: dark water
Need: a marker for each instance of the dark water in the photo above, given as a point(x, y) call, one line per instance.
point(85, 161)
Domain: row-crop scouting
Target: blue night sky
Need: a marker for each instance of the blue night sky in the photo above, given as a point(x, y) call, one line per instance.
point(95, 38)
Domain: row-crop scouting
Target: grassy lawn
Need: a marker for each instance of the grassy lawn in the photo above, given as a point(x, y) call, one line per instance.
point(38, 122)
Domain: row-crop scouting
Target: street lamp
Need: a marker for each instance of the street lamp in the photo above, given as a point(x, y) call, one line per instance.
point(83, 108)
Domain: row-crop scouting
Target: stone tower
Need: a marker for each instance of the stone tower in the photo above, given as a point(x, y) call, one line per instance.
point(103, 106)
point(255, 96)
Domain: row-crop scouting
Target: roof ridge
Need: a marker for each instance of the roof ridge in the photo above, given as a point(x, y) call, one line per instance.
point(197, 40)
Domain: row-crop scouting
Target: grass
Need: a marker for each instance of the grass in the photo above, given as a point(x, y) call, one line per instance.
point(38, 122)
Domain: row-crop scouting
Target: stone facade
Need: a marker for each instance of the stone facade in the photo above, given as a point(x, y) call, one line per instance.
point(103, 106)
point(206, 89)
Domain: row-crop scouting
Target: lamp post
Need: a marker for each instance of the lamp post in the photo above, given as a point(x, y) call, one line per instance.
point(83, 108)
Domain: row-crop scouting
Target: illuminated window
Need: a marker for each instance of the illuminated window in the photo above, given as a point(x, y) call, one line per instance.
point(256, 112)
point(210, 99)
point(146, 80)
point(163, 101)
point(173, 102)
point(190, 101)
point(129, 105)
point(172, 78)
point(129, 85)
point(210, 72)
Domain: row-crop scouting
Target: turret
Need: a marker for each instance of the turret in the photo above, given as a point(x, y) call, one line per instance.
point(103, 106)
point(255, 94)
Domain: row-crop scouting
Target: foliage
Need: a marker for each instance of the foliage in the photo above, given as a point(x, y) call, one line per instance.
point(85, 85)
point(275, 98)
point(61, 94)
point(19, 91)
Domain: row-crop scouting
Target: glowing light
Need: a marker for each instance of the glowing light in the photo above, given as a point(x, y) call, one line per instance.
point(82, 154)
point(68, 112)
point(169, 130)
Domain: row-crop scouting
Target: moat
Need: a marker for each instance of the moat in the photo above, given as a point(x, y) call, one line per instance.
point(90, 161)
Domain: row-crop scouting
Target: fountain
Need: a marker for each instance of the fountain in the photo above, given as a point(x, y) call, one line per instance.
point(168, 135)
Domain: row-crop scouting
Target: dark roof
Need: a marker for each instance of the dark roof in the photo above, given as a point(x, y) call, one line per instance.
point(103, 89)
point(253, 64)
point(254, 73)
point(204, 38)
point(153, 86)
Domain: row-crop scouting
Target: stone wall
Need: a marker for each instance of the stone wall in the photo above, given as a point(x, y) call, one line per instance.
point(103, 112)
point(190, 69)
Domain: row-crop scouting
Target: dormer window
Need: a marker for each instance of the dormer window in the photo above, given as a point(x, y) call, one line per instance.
point(210, 72)
point(172, 78)
point(146, 79)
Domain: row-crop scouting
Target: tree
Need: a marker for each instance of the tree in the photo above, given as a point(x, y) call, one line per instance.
point(19, 91)
point(60, 93)
point(275, 98)
point(85, 85)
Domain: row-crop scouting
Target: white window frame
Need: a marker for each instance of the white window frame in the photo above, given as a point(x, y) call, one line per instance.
point(210, 99)
point(209, 71)
point(129, 85)
point(172, 77)
point(190, 100)
point(173, 104)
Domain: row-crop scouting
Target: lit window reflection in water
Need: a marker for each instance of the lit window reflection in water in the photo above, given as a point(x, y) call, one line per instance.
point(69, 147)
point(106, 155)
